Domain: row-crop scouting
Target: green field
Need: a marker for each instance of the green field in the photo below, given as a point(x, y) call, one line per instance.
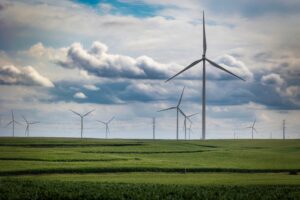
point(231, 169)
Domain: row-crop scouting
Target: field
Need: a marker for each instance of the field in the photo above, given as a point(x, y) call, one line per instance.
point(53, 168)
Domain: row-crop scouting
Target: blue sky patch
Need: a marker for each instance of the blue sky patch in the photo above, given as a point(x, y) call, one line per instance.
point(136, 8)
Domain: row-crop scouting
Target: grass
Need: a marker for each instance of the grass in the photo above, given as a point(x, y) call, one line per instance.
point(234, 169)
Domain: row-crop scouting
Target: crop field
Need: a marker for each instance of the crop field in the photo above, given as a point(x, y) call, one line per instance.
point(59, 168)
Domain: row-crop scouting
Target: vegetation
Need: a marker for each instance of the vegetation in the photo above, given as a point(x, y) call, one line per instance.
point(57, 168)
point(12, 189)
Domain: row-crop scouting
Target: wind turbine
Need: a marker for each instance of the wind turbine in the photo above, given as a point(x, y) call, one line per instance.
point(190, 130)
point(188, 117)
point(27, 125)
point(204, 59)
point(177, 110)
point(106, 126)
point(252, 128)
point(13, 121)
point(81, 117)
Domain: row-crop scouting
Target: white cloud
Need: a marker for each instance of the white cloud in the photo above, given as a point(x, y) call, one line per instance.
point(97, 61)
point(91, 87)
point(233, 65)
point(80, 95)
point(38, 50)
point(105, 8)
point(272, 79)
point(11, 75)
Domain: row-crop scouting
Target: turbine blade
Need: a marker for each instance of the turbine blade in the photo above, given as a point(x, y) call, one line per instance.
point(76, 113)
point(167, 109)
point(181, 96)
point(9, 123)
point(189, 120)
point(18, 122)
point(111, 120)
point(88, 113)
point(222, 68)
point(24, 119)
point(181, 112)
point(191, 65)
point(255, 130)
point(204, 36)
point(254, 123)
point(101, 121)
point(193, 114)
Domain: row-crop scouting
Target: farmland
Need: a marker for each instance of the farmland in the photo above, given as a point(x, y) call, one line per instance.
point(172, 169)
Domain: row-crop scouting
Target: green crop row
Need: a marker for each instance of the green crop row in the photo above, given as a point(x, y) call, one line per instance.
point(27, 189)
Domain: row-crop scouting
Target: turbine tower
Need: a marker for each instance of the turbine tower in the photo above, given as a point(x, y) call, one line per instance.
point(252, 128)
point(106, 126)
point(177, 111)
point(13, 121)
point(153, 126)
point(204, 59)
point(81, 117)
point(28, 123)
point(283, 129)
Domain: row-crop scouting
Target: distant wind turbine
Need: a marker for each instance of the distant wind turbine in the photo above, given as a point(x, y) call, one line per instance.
point(252, 128)
point(177, 110)
point(106, 126)
point(28, 123)
point(203, 59)
point(13, 121)
point(81, 117)
point(187, 117)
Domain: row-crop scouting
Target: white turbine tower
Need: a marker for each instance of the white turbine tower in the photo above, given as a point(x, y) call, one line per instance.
point(204, 59)
point(177, 111)
point(81, 117)
point(252, 128)
point(13, 121)
point(28, 123)
point(106, 126)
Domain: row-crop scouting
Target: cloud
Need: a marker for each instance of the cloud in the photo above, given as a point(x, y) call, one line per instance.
point(235, 66)
point(80, 95)
point(97, 61)
point(38, 50)
point(272, 79)
point(11, 75)
point(105, 8)
point(91, 87)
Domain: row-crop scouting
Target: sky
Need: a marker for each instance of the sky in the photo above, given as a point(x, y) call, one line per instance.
point(114, 57)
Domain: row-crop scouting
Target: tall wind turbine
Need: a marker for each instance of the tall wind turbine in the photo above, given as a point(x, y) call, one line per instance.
point(28, 123)
point(13, 121)
point(177, 111)
point(252, 128)
point(81, 117)
point(204, 59)
point(106, 126)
